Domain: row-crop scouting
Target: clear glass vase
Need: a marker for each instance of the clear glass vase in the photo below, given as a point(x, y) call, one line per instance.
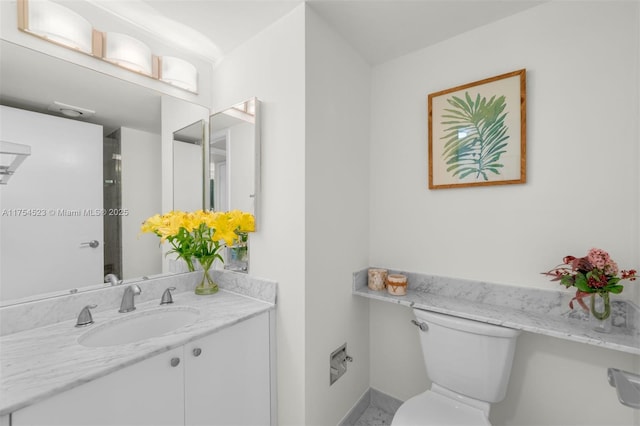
point(207, 285)
point(237, 257)
point(600, 317)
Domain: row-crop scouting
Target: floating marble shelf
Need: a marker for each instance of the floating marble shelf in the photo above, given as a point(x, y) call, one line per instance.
point(528, 309)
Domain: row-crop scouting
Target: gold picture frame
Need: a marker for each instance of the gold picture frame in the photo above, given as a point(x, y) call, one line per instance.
point(477, 133)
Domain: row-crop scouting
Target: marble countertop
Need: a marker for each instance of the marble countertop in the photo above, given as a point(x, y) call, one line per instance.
point(527, 309)
point(41, 362)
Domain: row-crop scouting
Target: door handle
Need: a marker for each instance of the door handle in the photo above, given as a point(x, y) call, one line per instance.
point(92, 244)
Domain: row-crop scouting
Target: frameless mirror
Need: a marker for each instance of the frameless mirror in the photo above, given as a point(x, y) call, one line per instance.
point(126, 179)
point(188, 167)
point(233, 153)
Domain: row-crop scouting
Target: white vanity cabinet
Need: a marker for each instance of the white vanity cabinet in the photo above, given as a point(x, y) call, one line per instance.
point(227, 378)
point(150, 392)
point(221, 379)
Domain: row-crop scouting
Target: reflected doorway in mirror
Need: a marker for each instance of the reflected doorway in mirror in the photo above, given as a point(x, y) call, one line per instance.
point(233, 159)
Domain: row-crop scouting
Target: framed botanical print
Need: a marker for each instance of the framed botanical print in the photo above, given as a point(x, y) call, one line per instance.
point(477, 133)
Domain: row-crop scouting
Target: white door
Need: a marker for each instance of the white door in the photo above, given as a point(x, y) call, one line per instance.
point(51, 208)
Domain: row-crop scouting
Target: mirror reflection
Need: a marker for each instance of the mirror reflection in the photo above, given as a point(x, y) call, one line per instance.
point(89, 179)
point(188, 178)
point(234, 158)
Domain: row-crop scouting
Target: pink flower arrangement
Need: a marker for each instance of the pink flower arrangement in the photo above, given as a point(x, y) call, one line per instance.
point(596, 273)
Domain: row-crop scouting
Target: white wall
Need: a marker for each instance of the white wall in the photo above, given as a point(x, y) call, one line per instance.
point(313, 224)
point(141, 197)
point(582, 191)
point(271, 67)
point(338, 83)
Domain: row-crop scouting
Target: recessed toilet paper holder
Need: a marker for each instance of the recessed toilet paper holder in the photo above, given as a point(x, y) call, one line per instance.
point(338, 363)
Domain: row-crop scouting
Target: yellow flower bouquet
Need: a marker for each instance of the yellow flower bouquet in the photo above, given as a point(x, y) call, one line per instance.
point(199, 236)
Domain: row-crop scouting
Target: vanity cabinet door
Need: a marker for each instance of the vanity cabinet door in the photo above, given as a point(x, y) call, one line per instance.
point(227, 380)
point(146, 393)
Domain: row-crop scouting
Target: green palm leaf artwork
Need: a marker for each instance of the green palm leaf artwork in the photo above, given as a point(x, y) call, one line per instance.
point(475, 136)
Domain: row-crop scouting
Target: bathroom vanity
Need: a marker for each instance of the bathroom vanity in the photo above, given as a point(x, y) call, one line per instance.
point(217, 369)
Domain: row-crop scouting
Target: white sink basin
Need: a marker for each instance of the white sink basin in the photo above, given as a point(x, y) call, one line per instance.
point(139, 326)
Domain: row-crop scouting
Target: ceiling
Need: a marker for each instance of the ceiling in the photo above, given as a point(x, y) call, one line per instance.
point(380, 30)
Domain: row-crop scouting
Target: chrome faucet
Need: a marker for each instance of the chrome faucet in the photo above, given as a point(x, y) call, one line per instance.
point(85, 318)
point(127, 304)
point(112, 279)
point(167, 298)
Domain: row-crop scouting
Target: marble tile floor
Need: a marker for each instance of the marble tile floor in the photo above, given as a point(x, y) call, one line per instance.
point(374, 416)
point(374, 409)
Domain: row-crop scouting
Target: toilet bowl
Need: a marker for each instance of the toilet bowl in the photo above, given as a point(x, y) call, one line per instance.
point(432, 408)
point(469, 364)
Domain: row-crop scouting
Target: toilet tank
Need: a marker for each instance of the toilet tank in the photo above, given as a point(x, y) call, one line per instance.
point(468, 357)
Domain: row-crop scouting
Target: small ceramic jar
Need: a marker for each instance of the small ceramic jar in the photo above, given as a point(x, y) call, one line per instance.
point(377, 278)
point(397, 284)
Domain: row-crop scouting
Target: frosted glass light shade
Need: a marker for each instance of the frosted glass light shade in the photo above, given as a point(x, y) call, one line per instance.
point(57, 23)
point(128, 52)
point(180, 73)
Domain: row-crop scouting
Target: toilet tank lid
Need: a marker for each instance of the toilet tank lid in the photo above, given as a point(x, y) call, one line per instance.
point(464, 324)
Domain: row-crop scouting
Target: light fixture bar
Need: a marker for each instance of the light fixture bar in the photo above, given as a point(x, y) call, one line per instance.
point(128, 52)
point(62, 26)
point(179, 73)
point(55, 23)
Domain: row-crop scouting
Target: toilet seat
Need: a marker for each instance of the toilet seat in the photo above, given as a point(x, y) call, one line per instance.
point(432, 409)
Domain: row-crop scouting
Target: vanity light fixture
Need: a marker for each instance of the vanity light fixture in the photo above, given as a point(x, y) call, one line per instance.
point(179, 73)
point(128, 52)
point(56, 23)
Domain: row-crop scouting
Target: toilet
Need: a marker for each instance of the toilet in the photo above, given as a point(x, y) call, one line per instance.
point(468, 362)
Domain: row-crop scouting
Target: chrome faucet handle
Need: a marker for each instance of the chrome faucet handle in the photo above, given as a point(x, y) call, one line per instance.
point(84, 317)
point(127, 304)
point(112, 279)
point(167, 297)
